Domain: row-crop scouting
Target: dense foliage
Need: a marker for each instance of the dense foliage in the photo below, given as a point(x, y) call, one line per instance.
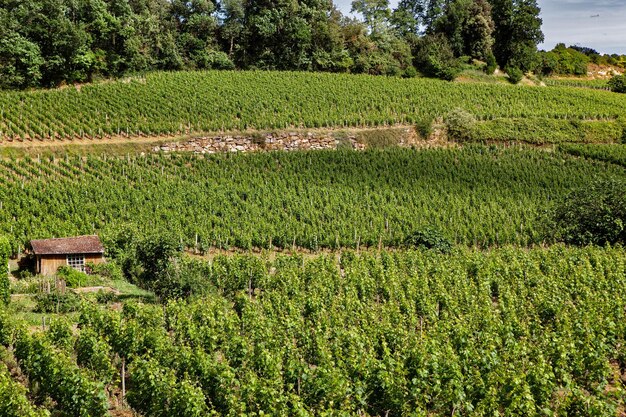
point(610, 153)
point(5, 252)
point(178, 103)
point(524, 332)
point(617, 84)
point(595, 214)
point(51, 42)
point(13, 399)
point(476, 196)
point(562, 60)
point(53, 371)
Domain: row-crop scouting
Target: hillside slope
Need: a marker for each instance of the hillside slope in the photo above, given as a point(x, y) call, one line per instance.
point(190, 102)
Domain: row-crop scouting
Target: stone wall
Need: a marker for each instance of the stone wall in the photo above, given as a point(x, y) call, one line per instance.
point(287, 141)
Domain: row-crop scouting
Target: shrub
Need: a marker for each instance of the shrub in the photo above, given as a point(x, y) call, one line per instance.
point(72, 277)
point(459, 124)
point(184, 278)
point(111, 270)
point(213, 60)
point(617, 84)
point(57, 303)
point(429, 238)
point(515, 74)
point(435, 58)
point(105, 297)
point(491, 64)
point(595, 214)
point(409, 72)
point(424, 127)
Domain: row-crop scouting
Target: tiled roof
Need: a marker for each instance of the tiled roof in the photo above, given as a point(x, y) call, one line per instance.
point(67, 245)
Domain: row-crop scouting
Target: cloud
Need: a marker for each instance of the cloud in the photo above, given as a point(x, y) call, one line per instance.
point(570, 21)
point(597, 24)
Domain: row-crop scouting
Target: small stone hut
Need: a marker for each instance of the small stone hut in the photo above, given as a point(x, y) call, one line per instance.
point(76, 252)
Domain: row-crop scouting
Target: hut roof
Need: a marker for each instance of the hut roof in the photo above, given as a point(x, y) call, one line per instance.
point(67, 245)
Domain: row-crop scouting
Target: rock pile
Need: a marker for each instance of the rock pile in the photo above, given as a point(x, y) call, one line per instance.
point(290, 141)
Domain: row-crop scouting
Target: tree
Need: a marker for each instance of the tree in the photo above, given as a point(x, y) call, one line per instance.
point(20, 62)
point(435, 57)
point(376, 13)
point(413, 18)
point(283, 34)
point(232, 24)
point(154, 253)
point(517, 32)
point(595, 214)
point(196, 27)
point(468, 26)
point(617, 83)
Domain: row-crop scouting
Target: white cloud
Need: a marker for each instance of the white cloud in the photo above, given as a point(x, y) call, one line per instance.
point(571, 22)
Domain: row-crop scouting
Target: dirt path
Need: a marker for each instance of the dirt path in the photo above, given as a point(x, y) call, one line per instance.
point(146, 139)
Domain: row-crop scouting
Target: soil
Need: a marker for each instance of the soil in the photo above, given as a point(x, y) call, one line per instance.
point(143, 139)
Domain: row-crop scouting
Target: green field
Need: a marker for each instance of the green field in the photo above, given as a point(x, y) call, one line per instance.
point(477, 195)
point(541, 131)
point(575, 82)
point(300, 283)
point(615, 154)
point(524, 333)
point(187, 102)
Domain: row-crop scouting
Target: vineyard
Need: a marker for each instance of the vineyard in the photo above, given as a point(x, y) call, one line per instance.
point(511, 331)
point(600, 152)
point(187, 102)
point(597, 84)
point(547, 131)
point(301, 283)
point(477, 196)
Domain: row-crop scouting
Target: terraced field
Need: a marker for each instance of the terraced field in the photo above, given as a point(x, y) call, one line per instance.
point(476, 195)
point(187, 102)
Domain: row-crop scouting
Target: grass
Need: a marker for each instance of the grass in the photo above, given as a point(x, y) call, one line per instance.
point(23, 303)
point(23, 308)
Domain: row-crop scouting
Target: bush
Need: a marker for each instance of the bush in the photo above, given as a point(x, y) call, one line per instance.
point(105, 297)
point(515, 74)
point(490, 65)
point(72, 277)
point(110, 270)
point(429, 238)
point(184, 278)
point(617, 84)
point(595, 214)
point(424, 127)
point(409, 72)
point(434, 58)
point(459, 124)
point(562, 60)
point(213, 60)
point(57, 303)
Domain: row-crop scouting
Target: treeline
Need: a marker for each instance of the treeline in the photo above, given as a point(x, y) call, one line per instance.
point(50, 42)
point(574, 60)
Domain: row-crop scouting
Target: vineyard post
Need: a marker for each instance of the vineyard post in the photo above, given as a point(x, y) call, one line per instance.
point(123, 379)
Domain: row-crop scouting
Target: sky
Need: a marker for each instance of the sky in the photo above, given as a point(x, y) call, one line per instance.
point(598, 24)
